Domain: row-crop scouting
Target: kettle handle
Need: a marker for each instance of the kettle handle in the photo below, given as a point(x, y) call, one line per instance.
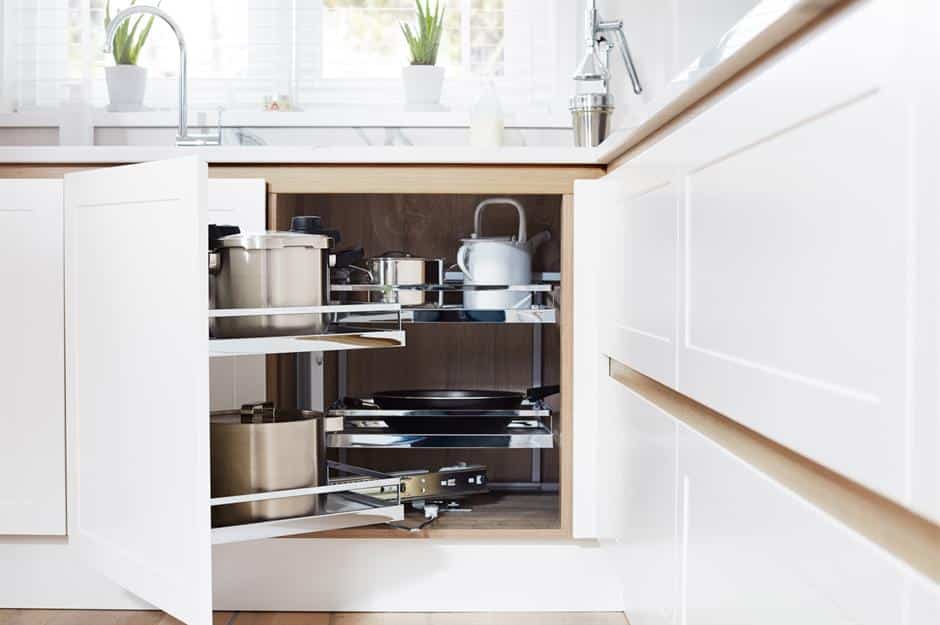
point(462, 262)
point(478, 216)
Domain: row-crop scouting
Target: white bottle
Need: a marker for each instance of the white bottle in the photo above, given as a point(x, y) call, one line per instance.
point(486, 120)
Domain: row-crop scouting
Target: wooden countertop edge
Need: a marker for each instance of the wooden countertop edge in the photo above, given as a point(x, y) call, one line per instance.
point(902, 533)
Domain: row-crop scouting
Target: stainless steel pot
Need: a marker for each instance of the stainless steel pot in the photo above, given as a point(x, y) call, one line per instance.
point(393, 269)
point(272, 269)
point(260, 449)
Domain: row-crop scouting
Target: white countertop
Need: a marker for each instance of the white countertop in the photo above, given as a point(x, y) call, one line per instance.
point(307, 155)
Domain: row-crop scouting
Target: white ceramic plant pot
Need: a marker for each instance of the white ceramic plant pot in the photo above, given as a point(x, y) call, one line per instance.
point(126, 87)
point(423, 84)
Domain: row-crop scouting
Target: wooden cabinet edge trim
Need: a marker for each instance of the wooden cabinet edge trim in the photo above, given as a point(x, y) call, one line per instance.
point(904, 534)
point(378, 179)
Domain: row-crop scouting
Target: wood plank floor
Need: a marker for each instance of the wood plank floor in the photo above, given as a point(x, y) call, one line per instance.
point(109, 617)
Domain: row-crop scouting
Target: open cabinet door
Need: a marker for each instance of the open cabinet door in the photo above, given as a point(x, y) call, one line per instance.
point(598, 249)
point(137, 379)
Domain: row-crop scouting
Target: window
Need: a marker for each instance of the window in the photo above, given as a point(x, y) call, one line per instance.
point(343, 53)
point(363, 39)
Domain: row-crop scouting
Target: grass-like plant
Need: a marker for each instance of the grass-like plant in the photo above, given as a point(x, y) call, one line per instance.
point(127, 41)
point(425, 41)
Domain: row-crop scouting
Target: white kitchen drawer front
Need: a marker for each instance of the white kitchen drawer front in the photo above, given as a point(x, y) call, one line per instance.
point(637, 513)
point(644, 302)
point(32, 359)
point(753, 552)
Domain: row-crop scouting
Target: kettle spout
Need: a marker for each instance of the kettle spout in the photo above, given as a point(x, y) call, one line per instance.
point(537, 240)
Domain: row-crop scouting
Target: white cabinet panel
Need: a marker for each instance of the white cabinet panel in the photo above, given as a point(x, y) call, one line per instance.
point(239, 379)
point(138, 379)
point(797, 290)
point(644, 302)
point(754, 553)
point(32, 358)
point(923, 604)
point(637, 508)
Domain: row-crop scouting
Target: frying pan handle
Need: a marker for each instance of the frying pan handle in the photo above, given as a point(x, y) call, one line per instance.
point(541, 392)
point(353, 403)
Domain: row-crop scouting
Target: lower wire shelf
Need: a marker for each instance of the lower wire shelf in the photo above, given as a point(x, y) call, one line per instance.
point(362, 499)
point(517, 435)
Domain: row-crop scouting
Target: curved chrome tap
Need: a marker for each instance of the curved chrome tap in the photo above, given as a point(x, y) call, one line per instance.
point(182, 137)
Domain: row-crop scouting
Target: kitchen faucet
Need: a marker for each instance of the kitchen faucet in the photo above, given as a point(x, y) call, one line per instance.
point(183, 138)
point(596, 33)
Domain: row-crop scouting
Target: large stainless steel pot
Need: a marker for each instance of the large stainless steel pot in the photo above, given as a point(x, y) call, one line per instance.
point(260, 449)
point(393, 269)
point(272, 269)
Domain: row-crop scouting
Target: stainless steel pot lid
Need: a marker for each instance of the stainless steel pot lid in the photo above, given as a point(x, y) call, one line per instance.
point(265, 412)
point(276, 241)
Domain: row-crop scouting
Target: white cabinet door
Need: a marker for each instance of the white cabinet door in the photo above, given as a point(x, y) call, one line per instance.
point(644, 304)
point(625, 281)
point(138, 379)
point(237, 380)
point(32, 359)
point(637, 511)
point(755, 553)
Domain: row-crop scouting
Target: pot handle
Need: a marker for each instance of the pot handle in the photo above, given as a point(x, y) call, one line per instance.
point(215, 263)
point(363, 270)
point(541, 392)
point(478, 216)
point(462, 262)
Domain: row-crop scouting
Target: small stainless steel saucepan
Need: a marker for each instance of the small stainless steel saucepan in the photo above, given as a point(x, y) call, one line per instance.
point(396, 268)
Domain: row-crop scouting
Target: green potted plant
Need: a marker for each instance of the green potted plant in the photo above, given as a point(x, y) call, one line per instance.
point(422, 79)
point(126, 80)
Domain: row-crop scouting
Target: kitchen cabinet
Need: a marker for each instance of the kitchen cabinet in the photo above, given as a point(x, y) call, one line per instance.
point(754, 552)
point(136, 324)
point(32, 449)
point(697, 535)
point(638, 514)
point(782, 268)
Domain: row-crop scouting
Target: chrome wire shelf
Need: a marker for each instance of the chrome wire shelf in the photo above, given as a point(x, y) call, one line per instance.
point(342, 333)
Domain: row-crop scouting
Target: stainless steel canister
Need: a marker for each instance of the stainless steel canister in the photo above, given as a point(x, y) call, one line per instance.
point(590, 118)
point(270, 270)
point(261, 449)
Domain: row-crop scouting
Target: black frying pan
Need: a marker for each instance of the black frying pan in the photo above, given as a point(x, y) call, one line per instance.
point(439, 399)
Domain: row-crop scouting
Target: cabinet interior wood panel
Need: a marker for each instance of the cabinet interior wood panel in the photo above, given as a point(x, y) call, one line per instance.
point(473, 356)
point(796, 306)
point(32, 359)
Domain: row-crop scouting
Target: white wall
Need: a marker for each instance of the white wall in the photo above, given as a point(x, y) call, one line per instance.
point(665, 37)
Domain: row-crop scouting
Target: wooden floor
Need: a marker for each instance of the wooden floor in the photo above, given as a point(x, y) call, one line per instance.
point(102, 617)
